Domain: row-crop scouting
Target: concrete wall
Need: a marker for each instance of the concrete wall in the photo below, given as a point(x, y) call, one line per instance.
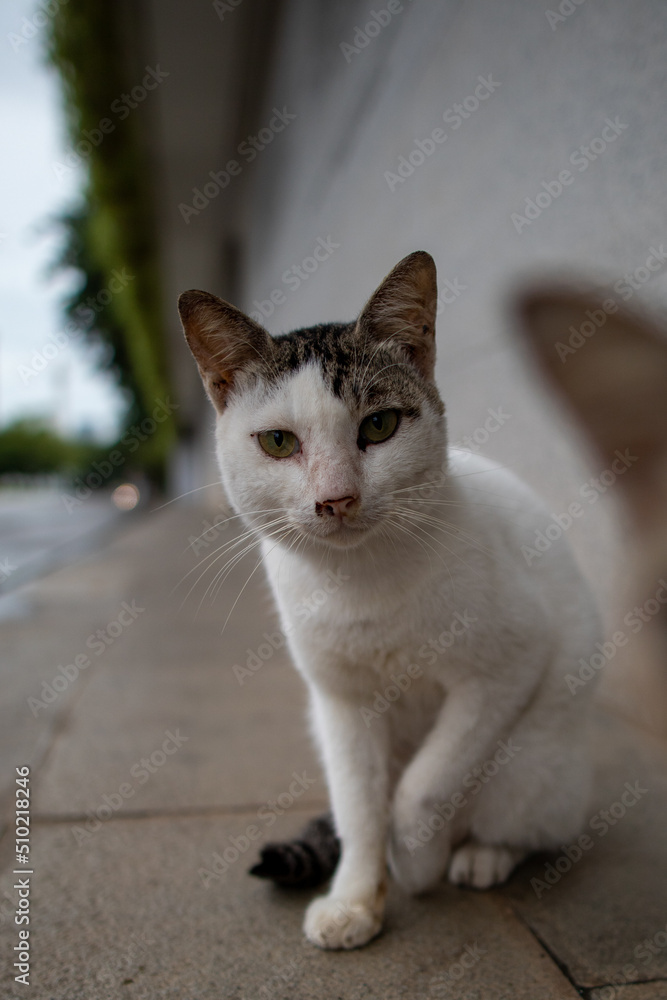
point(217, 60)
point(556, 74)
point(556, 80)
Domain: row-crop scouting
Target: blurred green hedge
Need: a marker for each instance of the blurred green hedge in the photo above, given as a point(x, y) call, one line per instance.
point(28, 447)
point(114, 228)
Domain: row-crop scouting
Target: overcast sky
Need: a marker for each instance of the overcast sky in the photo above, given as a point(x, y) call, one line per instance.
point(68, 391)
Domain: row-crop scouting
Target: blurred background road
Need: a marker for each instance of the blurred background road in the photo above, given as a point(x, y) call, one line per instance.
point(37, 532)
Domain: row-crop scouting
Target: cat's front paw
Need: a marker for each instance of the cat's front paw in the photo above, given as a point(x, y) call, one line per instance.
point(335, 923)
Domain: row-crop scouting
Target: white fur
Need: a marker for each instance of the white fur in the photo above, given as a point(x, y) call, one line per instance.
point(502, 679)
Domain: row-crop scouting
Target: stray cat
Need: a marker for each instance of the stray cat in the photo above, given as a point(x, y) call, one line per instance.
point(332, 445)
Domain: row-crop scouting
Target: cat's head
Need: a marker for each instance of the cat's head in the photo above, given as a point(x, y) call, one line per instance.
point(321, 432)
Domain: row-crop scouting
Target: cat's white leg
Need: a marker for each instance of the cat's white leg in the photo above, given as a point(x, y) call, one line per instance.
point(430, 805)
point(356, 762)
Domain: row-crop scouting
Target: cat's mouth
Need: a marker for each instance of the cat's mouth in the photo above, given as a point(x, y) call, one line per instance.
point(340, 533)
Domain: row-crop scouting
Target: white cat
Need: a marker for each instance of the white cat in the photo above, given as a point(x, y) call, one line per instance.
point(436, 669)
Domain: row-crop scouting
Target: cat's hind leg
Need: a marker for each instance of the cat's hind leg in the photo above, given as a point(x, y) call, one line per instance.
point(536, 801)
point(483, 865)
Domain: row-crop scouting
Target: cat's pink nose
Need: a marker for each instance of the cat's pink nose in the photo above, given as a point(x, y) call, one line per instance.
point(335, 508)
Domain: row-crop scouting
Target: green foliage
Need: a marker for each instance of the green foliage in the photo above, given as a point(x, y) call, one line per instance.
point(30, 448)
point(115, 228)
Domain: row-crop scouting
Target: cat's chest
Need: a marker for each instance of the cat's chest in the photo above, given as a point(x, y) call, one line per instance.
point(364, 606)
point(362, 629)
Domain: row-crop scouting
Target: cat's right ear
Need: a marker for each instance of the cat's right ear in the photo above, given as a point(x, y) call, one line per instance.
point(222, 339)
point(402, 310)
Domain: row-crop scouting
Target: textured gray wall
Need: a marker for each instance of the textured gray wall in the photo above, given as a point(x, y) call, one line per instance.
point(562, 77)
point(357, 113)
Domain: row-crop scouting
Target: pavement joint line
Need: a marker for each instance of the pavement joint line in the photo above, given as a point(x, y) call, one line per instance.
point(45, 749)
point(187, 812)
point(558, 962)
point(588, 991)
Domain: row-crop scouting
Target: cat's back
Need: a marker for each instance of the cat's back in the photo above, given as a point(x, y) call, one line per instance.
point(502, 514)
point(485, 482)
point(495, 503)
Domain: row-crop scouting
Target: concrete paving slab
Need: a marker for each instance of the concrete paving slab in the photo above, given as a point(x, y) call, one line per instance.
point(119, 902)
point(232, 746)
point(45, 627)
point(596, 903)
point(129, 914)
point(241, 737)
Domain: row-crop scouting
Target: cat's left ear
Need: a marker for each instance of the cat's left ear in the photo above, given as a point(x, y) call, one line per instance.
point(223, 341)
point(402, 310)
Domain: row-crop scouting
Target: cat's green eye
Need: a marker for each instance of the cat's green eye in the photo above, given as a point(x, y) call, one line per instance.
point(378, 426)
point(280, 444)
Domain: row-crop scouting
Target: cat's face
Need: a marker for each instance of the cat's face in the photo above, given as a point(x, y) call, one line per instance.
point(323, 432)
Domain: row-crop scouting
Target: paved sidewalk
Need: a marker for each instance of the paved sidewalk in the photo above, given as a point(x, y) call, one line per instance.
point(151, 762)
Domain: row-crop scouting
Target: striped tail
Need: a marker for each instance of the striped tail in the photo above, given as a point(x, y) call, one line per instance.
point(305, 862)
